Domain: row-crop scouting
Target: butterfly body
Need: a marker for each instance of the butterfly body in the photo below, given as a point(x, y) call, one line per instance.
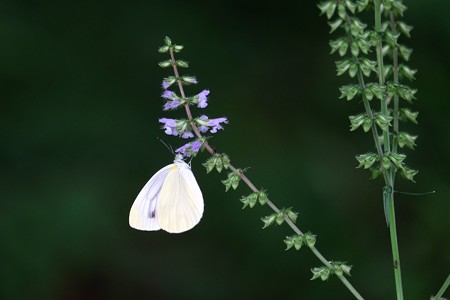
point(171, 200)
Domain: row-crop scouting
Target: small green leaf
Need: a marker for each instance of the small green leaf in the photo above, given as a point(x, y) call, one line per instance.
point(269, 220)
point(341, 268)
point(280, 218)
point(406, 72)
point(367, 66)
point(290, 214)
point(177, 48)
point(366, 160)
point(328, 8)
point(383, 121)
point(374, 89)
point(209, 164)
point(310, 239)
point(363, 45)
point(356, 27)
point(350, 5)
point(165, 64)
point(323, 273)
point(362, 4)
point(189, 80)
point(335, 25)
point(358, 120)
point(408, 173)
point(339, 45)
point(182, 64)
point(397, 159)
point(375, 172)
point(385, 163)
point(405, 139)
point(405, 29)
point(398, 8)
point(349, 91)
point(262, 197)
point(353, 70)
point(232, 181)
point(405, 92)
point(354, 49)
point(225, 160)
point(405, 52)
point(406, 114)
point(343, 65)
point(391, 38)
point(163, 49)
point(367, 125)
point(341, 11)
point(167, 41)
point(249, 200)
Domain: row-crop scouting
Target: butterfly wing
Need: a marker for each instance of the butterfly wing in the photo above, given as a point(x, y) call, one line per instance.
point(143, 213)
point(180, 203)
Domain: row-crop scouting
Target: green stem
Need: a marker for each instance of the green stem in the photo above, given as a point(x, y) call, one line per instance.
point(442, 289)
point(391, 175)
point(394, 246)
point(244, 178)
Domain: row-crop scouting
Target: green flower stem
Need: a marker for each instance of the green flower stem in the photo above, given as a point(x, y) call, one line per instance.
point(442, 289)
point(252, 186)
point(391, 175)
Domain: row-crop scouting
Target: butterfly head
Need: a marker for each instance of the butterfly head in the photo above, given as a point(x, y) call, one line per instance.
point(179, 158)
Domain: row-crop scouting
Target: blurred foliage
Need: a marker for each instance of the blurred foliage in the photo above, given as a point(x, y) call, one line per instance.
point(80, 89)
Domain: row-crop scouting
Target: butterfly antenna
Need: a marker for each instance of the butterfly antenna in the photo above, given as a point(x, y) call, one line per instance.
point(168, 147)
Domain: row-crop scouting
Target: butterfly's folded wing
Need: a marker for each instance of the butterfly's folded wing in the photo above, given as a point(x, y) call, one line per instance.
point(180, 204)
point(143, 214)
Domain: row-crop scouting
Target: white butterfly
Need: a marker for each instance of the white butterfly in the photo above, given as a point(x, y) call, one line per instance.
point(171, 200)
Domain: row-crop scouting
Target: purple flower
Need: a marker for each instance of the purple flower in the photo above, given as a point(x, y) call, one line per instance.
point(168, 82)
point(167, 94)
point(215, 123)
point(170, 126)
point(203, 122)
point(184, 149)
point(196, 146)
point(202, 99)
point(189, 148)
point(187, 134)
point(171, 104)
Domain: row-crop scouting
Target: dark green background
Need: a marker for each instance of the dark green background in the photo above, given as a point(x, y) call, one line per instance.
point(80, 99)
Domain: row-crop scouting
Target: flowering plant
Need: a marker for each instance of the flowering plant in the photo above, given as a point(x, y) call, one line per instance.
point(377, 80)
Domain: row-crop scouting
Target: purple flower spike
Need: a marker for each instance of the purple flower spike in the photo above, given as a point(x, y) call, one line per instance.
point(170, 126)
point(202, 99)
point(215, 123)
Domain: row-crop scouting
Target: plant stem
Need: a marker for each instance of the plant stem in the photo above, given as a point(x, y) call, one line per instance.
point(442, 289)
point(391, 175)
point(252, 186)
